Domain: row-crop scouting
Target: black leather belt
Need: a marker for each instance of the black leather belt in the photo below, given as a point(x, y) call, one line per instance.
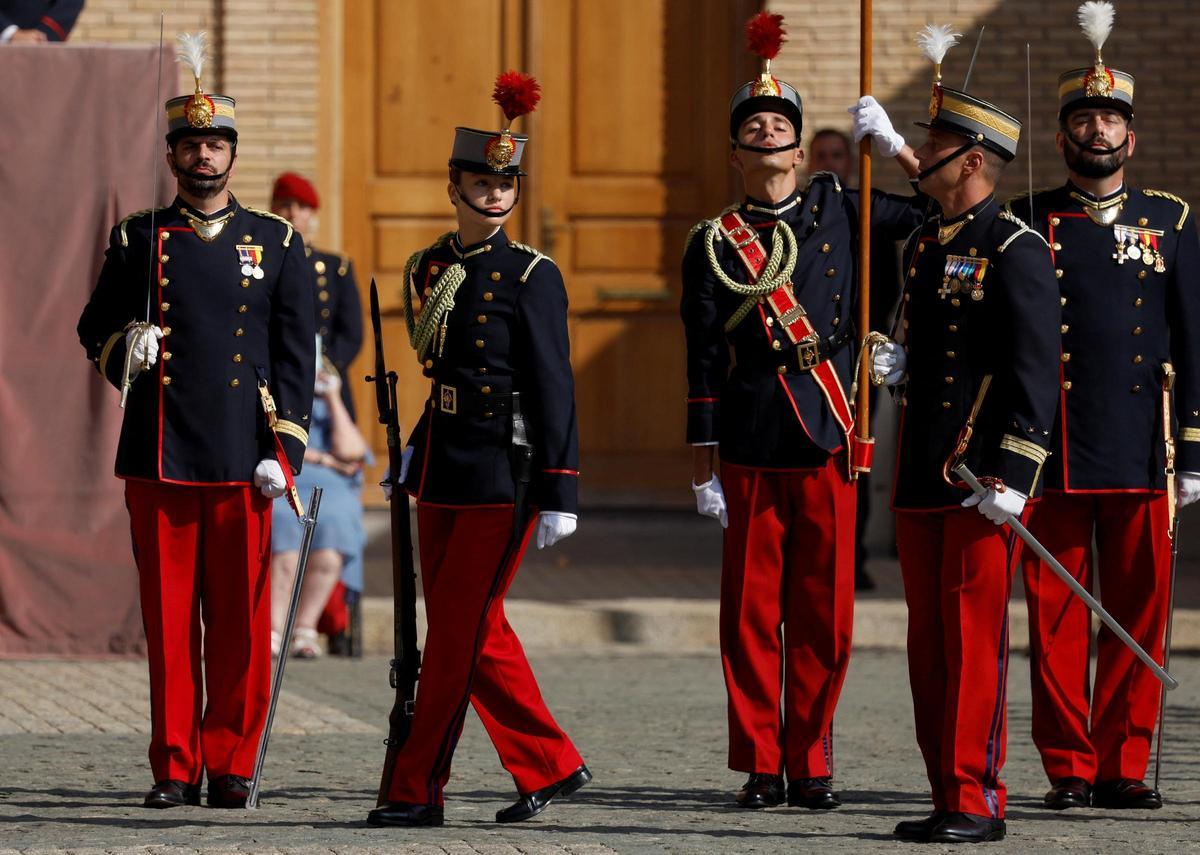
point(465, 401)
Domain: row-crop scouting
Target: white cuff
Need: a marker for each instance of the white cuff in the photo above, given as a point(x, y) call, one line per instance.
point(7, 34)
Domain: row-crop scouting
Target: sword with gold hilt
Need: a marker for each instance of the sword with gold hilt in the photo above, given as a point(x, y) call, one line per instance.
point(1168, 386)
point(142, 329)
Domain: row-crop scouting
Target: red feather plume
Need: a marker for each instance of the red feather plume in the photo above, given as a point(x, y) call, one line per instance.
point(516, 93)
point(764, 34)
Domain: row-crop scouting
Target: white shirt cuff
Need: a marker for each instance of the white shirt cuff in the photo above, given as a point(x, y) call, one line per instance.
point(7, 33)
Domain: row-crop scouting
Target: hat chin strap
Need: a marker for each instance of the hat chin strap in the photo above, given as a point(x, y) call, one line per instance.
point(760, 149)
point(1103, 152)
point(954, 155)
point(483, 212)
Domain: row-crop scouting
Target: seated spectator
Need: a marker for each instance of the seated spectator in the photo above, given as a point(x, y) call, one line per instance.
point(333, 461)
point(37, 21)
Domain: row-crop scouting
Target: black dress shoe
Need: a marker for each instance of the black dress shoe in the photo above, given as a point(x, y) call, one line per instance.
point(1068, 793)
point(1126, 794)
point(761, 791)
point(812, 793)
point(919, 829)
point(967, 828)
point(531, 804)
point(169, 794)
point(228, 791)
point(405, 814)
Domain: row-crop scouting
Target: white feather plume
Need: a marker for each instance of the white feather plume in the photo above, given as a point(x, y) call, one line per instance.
point(1096, 21)
point(935, 39)
point(192, 51)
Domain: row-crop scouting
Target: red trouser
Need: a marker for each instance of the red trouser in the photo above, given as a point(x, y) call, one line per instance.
point(957, 567)
point(788, 562)
point(204, 548)
point(472, 653)
point(1134, 570)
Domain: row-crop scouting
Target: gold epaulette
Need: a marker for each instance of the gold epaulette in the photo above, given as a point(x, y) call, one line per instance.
point(538, 256)
point(1022, 228)
point(1163, 194)
point(125, 222)
point(837, 182)
point(267, 215)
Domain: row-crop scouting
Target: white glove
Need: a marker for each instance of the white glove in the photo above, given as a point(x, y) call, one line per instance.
point(871, 120)
point(554, 526)
point(1187, 488)
point(889, 362)
point(142, 344)
point(386, 484)
point(268, 478)
point(710, 500)
point(997, 506)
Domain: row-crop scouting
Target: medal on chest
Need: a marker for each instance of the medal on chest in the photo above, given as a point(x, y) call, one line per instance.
point(963, 274)
point(251, 260)
point(1139, 244)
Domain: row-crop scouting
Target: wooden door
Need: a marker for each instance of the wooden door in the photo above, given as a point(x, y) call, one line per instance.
point(628, 150)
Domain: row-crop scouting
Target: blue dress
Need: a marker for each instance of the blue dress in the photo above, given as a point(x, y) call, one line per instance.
point(340, 519)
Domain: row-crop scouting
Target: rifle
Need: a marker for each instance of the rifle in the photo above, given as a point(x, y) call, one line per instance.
point(405, 666)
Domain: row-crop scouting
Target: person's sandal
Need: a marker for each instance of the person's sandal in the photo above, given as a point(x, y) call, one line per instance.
point(306, 644)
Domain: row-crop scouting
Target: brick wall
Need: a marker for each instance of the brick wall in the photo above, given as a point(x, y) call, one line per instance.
point(265, 54)
point(1154, 40)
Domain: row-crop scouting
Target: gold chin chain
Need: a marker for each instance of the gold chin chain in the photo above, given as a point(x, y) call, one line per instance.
point(207, 230)
point(1101, 213)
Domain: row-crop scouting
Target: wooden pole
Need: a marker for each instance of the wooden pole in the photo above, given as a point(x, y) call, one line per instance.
point(863, 416)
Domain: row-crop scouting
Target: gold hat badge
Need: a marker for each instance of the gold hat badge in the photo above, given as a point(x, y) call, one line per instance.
point(192, 53)
point(517, 94)
point(1096, 21)
point(764, 37)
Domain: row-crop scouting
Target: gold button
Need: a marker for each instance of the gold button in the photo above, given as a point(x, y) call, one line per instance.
point(322, 280)
point(1141, 274)
point(1066, 357)
point(428, 363)
point(164, 258)
point(1058, 274)
point(1142, 221)
point(907, 297)
point(319, 267)
point(837, 298)
point(816, 208)
point(949, 381)
point(164, 234)
point(426, 292)
point(775, 345)
point(245, 283)
point(1137, 360)
point(945, 405)
point(1066, 384)
point(782, 369)
point(835, 321)
point(166, 380)
point(972, 252)
point(488, 296)
point(954, 301)
point(953, 328)
point(1057, 246)
point(830, 272)
point(479, 343)
point(770, 322)
point(242, 309)
point(487, 390)
point(1062, 301)
point(1137, 303)
point(167, 354)
point(483, 370)
point(164, 305)
point(247, 238)
point(323, 296)
point(495, 276)
point(950, 354)
point(234, 383)
point(1137, 330)
point(325, 313)
point(920, 247)
point(166, 330)
point(904, 324)
point(1064, 328)
point(1135, 389)
point(482, 319)
point(912, 271)
point(487, 414)
point(1054, 221)
point(434, 270)
point(237, 357)
point(164, 282)
point(239, 332)
point(825, 247)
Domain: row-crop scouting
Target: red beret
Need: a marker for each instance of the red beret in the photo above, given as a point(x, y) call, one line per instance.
point(291, 185)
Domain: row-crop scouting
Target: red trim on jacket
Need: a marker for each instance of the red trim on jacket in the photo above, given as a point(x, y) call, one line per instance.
point(56, 26)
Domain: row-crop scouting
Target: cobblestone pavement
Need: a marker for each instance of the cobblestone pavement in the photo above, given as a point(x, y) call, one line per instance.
point(650, 725)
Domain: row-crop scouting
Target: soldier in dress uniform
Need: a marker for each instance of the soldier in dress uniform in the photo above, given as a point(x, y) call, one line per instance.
point(229, 337)
point(37, 21)
point(339, 310)
point(1128, 268)
point(491, 335)
point(773, 278)
point(976, 366)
